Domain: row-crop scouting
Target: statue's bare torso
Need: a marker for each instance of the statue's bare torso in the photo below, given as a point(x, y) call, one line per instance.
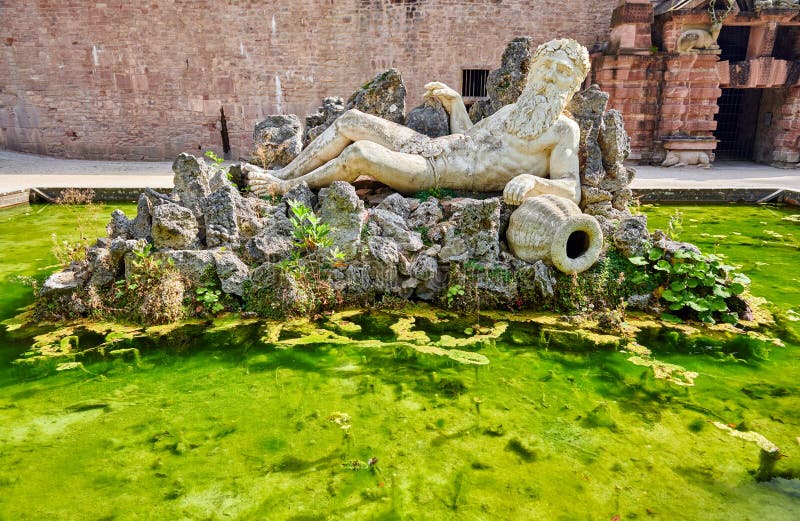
point(494, 156)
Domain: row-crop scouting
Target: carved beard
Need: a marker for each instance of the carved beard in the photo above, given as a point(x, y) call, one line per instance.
point(538, 107)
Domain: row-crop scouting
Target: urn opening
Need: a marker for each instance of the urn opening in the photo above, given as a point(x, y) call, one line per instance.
point(577, 244)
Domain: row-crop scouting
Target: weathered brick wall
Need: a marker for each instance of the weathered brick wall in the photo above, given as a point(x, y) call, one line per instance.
point(634, 86)
point(786, 129)
point(146, 80)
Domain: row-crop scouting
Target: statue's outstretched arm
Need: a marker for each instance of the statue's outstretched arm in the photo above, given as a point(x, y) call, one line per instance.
point(564, 171)
point(452, 103)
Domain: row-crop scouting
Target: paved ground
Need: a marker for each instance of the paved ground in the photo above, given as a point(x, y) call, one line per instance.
point(19, 171)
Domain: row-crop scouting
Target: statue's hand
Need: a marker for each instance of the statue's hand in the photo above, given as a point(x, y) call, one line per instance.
point(518, 188)
point(441, 92)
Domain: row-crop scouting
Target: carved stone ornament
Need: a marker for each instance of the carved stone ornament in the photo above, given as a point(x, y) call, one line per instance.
point(699, 39)
point(553, 229)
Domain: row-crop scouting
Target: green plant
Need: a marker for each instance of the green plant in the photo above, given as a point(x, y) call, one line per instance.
point(452, 292)
point(675, 225)
point(423, 233)
point(435, 192)
point(301, 284)
point(692, 284)
point(218, 164)
point(74, 196)
point(336, 257)
point(309, 232)
point(209, 299)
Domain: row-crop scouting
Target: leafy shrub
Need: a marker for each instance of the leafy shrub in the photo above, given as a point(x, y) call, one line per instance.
point(308, 230)
point(452, 292)
point(153, 293)
point(208, 297)
point(300, 284)
point(692, 285)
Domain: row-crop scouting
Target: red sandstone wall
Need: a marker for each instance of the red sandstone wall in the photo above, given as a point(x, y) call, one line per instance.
point(634, 86)
point(145, 80)
point(786, 129)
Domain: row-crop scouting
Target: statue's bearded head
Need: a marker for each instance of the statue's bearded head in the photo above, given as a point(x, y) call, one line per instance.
point(557, 71)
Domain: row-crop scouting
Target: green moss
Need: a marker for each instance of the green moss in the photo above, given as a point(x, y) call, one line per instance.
point(230, 418)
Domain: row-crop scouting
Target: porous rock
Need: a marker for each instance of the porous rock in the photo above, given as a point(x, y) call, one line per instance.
point(615, 144)
point(427, 276)
point(104, 269)
point(59, 282)
point(232, 272)
point(119, 247)
point(505, 84)
point(397, 204)
point(383, 96)
point(423, 267)
point(343, 211)
point(454, 250)
point(384, 249)
point(143, 222)
point(631, 236)
point(271, 248)
point(604, 145)
point(588, 107)
point(191, 182)
point(426, 215)
point(301, 194)
point(478, 223)
point(332, 108)
point(251, 216)
point(430, 119)
point(536, 282)
point(277, 292)
point(174, 227)
point(662, 241)
point(278, 139)
point(119, 226)
point(222, 227)
point(195, 265)
point(392, 225)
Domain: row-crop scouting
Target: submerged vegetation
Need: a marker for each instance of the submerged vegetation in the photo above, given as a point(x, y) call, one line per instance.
point(413, 413)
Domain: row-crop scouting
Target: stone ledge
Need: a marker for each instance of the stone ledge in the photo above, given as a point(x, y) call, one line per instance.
point(127, 195)
point(14, 198)
point(716, 195)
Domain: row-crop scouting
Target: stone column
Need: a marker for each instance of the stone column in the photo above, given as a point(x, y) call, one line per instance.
point(787, 131)
point(689, 100)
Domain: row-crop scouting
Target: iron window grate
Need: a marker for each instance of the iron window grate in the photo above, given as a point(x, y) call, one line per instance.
point(733, 144)
point(473, 83)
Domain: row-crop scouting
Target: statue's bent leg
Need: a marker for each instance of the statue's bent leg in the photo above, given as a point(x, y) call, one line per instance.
point(407, 173)
point(351, 126)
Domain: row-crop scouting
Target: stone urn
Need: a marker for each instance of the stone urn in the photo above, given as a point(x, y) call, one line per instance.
point(553, 229)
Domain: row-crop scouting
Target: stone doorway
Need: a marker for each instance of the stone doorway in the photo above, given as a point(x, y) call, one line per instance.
point(737, 124)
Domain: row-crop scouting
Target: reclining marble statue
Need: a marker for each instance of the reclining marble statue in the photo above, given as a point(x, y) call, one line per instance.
point(528, 150)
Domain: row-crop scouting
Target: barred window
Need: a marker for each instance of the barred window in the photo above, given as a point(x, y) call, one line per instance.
point(473, 83)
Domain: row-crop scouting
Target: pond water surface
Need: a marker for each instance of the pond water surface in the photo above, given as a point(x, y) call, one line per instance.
point(242, 419)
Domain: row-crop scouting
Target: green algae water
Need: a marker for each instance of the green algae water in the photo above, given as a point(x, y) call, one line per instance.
point(339, 419)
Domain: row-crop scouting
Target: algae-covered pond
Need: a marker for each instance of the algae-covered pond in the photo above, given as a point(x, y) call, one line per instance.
point(358, 416)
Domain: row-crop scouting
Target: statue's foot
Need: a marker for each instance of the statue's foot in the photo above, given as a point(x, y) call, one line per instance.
point(261, 183)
